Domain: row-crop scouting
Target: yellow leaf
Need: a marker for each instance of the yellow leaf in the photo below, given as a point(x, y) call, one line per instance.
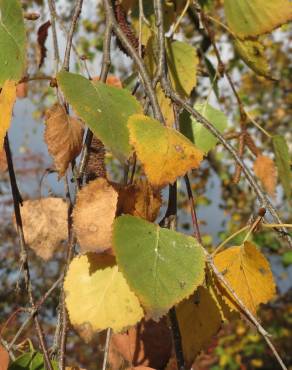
point(265, 170)
point(7, 100)
point(252, 18)
point(166, 107)
point(199, 321)
point(94, 214)
point(98, 296)
point(45, 225)
point(165, 153)
point(249, 274)
point(63, 135)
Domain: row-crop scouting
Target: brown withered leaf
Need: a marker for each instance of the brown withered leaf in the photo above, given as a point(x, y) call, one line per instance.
point(63, 135)
point(21, 90)
point(3, 161)
point(147, 344)
point(140, 199)
point(4, 358)
point(111, 80)
point(44, 225)
point(94, 214)
point(265, 169)
point(41, 39)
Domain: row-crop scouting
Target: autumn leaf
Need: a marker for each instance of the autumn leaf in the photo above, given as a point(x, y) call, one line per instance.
point(139, 199)
point(171, 148)
point(199, 321)
point(283, 161)
point(7, 100)
point(161, 266)
point(149, 343)
point(21, 90)
point(252, 18)
point(265, 170)
point(98, 297)
point(4, 358)
point(44, 225)
point(93, 215)
point(42, 35)
point(3, 161)
point(249, 274)
point(12, 41)
point(63, 136)
point(110, 80)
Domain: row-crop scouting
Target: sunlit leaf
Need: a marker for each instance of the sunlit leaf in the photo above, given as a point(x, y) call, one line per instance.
point(98, 296)
point(105, 109)
point(171, 148)
point(251, 18)
point(31, 361)
point(199, 321)
point(161, 266)
point(182, 62)
point(197, 133)
point(94, 214)
point(63, 135)
point(7, 100)
point(249, 274)
point(265, 170)
point(12, 41)
point(283, 163)
point(4, 358)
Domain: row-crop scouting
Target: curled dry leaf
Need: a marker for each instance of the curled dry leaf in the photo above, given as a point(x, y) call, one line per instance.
point(265, 170)
point(42, 37)
point(63, 135)
point(149, 343)
point(94, 214)
point(140, 199)
point(44, 225)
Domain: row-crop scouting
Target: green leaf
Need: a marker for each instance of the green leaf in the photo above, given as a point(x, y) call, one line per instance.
point(182, 62)
point(105, 109)
point(30, 361)
point(283, 162)
point(197, 133)
point(12, 41)
point(161, 266)
point(287, 258)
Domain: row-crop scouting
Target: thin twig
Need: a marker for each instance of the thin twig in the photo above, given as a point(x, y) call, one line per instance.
point(52, 9)
point(77, 11)
point(106, 348)
point(23, 250)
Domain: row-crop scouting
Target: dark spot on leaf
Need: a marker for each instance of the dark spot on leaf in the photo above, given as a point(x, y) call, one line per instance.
point(262, 271)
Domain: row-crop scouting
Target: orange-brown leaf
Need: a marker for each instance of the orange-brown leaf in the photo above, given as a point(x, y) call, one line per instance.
point(7, 100)
point(94, 214)
point(42, 37)
point(147, 344)
point(3, 161)
point(265, 170)
point(140, 199)
point(63, 135)
point(4, 358)
point(44, 225)
point(111, 80)
point(21, 90)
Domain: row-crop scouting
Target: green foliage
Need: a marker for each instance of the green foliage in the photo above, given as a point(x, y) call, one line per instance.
point(30, 361)
point(12, 41)
point(161, 266)
point(104, 108)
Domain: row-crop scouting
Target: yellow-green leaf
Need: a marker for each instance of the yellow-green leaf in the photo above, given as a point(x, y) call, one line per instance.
point(252, 53)
point(98, 296)
point(12, 41)
point(283, 163)
point(254, 17)
point(7, 100)
point(160, 149)
point(249, 274)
